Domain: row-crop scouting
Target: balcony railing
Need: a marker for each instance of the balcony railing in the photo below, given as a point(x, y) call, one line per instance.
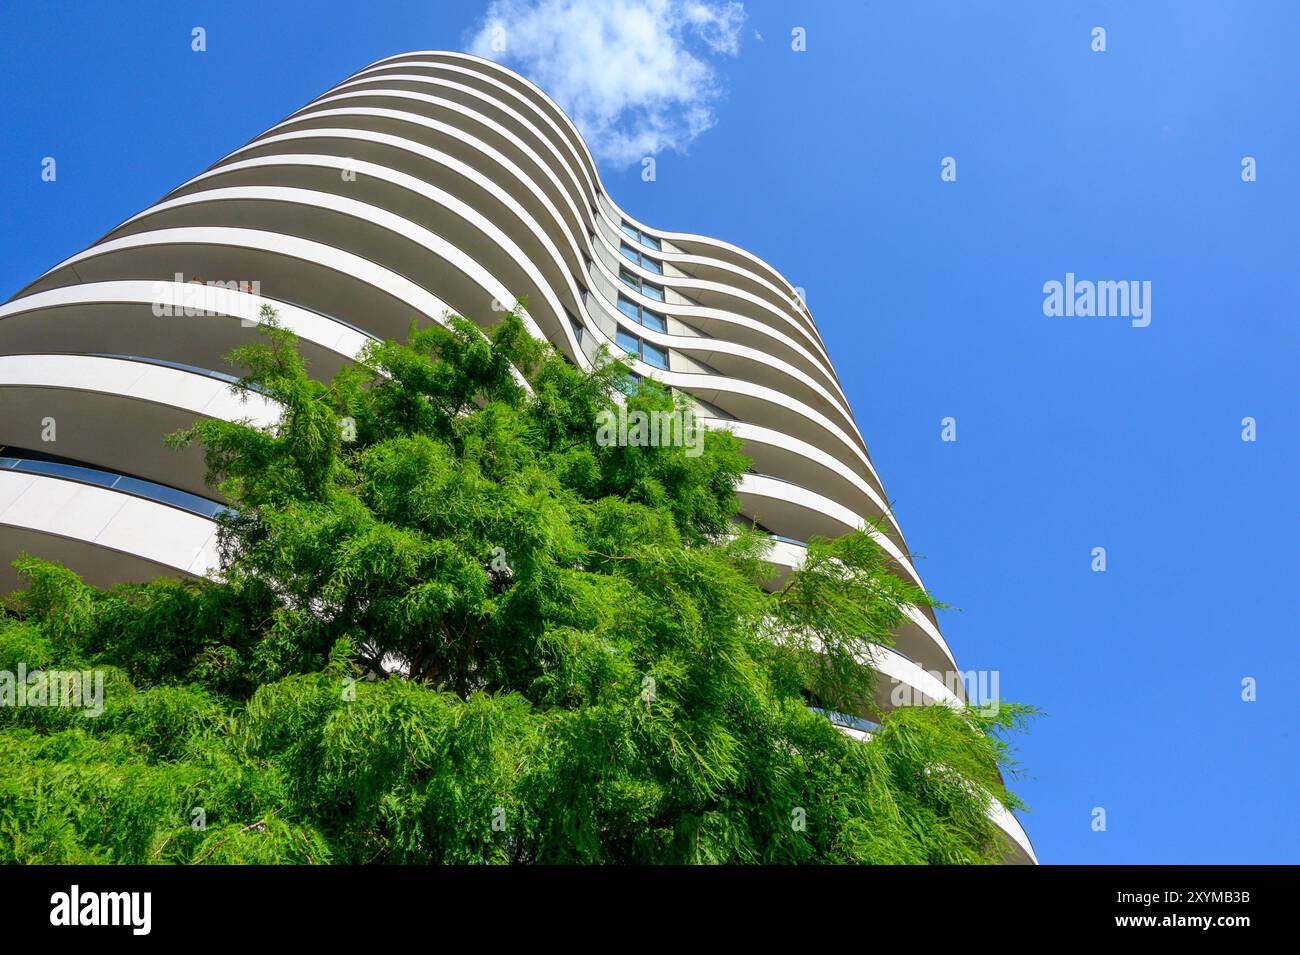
point(847, 720)
point(137, 487)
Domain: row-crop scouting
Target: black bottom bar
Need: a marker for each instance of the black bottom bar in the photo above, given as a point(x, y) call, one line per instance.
point(934, 905)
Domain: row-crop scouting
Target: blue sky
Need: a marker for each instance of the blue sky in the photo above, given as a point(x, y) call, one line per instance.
point(1072, 433)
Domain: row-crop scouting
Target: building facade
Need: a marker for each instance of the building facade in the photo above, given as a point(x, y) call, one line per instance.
point(426, 183)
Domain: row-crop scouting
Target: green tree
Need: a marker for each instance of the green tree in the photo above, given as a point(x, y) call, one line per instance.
point(453, 627)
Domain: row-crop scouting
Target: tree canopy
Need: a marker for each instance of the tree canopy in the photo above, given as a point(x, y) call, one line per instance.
point(452, 626)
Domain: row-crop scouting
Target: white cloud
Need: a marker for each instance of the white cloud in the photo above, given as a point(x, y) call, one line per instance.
point(631, 73)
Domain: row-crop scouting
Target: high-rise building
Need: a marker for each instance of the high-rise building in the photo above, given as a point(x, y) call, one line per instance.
point(426, 183)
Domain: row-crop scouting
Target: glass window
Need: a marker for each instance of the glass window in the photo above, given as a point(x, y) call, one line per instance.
point(648, 289)
point(72, 471)
point(650, 242)
point(641, 315)
point(629, 383)
point(628, 342)
point(637, 348)
point(647, 263)
point(654, 356)
point(651, 320)
point(122, 482)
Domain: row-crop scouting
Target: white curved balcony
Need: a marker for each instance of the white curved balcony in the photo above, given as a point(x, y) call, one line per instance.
point(398, 191)
point(248, 195)
point(471, 262)
point(250, 203)
point(113, 412)
point(498, 81)
point(748, 401)
point(787, 508)
point(523, 126)
point(108, 536)
point(309, 274)
point(918, 638)
point(775, 452)
point(438, 112)
point(118, 317)
point(727, 358)
point(1016, 847)
point(1021, 849)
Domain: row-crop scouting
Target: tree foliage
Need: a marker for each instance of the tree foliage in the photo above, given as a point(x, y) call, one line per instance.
point(452, 627)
